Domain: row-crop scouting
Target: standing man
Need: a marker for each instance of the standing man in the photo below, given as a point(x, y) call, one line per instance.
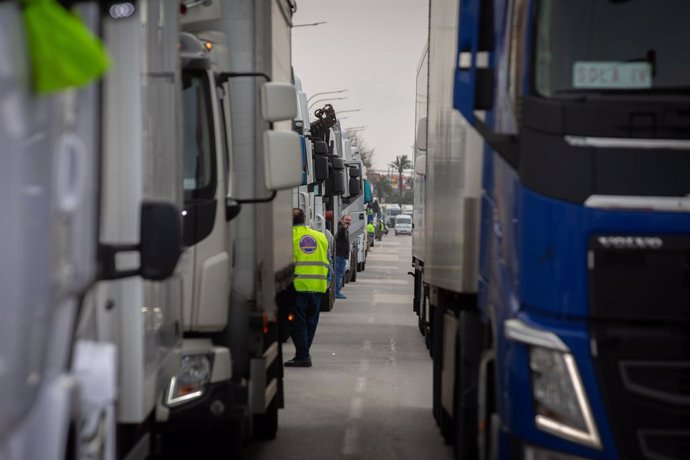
point(342, 253)
point(371, 233)
point(382, 228)
point(310, 252)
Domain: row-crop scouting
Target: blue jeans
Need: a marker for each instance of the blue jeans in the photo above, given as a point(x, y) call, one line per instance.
point(305, 309)
point(340, 263)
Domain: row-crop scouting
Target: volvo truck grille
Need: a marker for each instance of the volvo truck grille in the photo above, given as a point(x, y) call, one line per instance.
point(639, 293)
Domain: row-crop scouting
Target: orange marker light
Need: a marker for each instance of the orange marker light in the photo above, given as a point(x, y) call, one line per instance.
point(291, 317)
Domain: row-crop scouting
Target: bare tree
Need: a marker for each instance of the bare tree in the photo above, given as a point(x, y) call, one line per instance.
point(365, 151)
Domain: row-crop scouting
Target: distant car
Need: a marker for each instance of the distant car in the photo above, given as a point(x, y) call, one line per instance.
point(403, 225)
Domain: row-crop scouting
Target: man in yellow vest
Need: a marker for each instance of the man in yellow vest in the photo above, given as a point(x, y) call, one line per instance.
point(310, 253)
point(371, 234)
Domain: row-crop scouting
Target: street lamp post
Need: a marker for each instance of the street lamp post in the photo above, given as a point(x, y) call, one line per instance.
point(326, 99)
point(337, 91)
point(356, 128)
point(310, 24)
point(349, 110)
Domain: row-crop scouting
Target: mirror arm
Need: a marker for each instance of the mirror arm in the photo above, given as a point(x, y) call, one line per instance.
point(225, 76)
point(506, 145)
point(107, 269)
point(256, 200)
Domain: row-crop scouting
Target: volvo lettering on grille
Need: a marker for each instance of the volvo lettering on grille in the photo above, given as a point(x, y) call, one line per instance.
point(630, 242)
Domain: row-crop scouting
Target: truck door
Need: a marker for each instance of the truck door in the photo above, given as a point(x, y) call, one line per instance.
point(207, 261)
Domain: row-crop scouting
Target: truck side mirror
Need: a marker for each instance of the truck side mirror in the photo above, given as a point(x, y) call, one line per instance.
point(160, 240)
point(282, 159)
point(335, 185)
point(420, 165)
point(472, 71)
point(421, 134)
point(160, 245)
point(355, 172)
point(320, 168)
point(278, 101)
point(368, 195)
point(320, 148)
point(353, 187)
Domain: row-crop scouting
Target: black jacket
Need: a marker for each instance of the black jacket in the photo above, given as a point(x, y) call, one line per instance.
point(342, 242)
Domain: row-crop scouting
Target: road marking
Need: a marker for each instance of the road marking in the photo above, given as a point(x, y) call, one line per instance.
point(350, 440)
point(391, 345)
point(382, 281)
point(383, 258)
point(392, 298)
point(391, 351)
point(366, 346)
point(356, 408)
point(361, 385)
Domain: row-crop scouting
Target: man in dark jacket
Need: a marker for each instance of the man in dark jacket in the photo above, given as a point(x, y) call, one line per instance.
point(342, 253)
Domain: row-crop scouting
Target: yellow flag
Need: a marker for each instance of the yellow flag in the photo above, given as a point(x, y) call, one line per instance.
point(63, 51)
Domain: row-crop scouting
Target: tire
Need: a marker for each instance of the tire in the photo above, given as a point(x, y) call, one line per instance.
point(354, 275)
point(217, 441)
point(327, 300)
point(436, 356)
point(265, 426)
point(488, 416)
point(468, 350)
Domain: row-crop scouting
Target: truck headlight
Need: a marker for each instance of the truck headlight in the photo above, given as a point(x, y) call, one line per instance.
point(189, 383)
point(560, 403)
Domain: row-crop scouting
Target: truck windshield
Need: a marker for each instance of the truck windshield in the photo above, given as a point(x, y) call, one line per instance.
point(198, 142)
point(632, 46)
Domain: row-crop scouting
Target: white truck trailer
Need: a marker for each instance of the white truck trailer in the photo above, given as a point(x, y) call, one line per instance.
point(354, 205)
point(92, 182)
point(241, 158)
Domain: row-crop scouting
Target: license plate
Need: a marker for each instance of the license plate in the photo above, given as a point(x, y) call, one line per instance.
point(612, 75)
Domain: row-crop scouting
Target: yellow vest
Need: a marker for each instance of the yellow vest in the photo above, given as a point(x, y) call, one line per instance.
point(310, 250)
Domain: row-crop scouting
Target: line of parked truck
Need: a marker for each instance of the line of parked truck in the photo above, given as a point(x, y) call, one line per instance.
point(146, 239)
point(552, 228)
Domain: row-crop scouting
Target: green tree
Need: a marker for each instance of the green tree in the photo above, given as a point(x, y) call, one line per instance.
point(382, 188)
point(400, 165)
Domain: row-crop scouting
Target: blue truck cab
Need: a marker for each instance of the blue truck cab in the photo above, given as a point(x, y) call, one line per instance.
point(573, 339)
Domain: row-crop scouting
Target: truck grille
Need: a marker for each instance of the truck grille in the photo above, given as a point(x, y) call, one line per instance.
point(639, 277)
point(643, 369)
point(639, 291)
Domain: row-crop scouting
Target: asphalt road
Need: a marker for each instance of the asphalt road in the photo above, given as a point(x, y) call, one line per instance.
point(368, 394)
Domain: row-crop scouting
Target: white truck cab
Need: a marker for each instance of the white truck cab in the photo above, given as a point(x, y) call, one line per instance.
point(238, 157)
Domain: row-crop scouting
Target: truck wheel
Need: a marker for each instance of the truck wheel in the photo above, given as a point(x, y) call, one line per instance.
point(266, 425)
point(326, 301)
point(488, 418)
point(469, 343)
point(354, 275)
point(218, 441)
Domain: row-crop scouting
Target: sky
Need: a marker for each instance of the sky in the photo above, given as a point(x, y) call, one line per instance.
point(371, 48)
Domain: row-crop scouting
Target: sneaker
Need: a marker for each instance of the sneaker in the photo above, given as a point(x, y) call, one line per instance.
point(294, 362)
point(340, 295)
